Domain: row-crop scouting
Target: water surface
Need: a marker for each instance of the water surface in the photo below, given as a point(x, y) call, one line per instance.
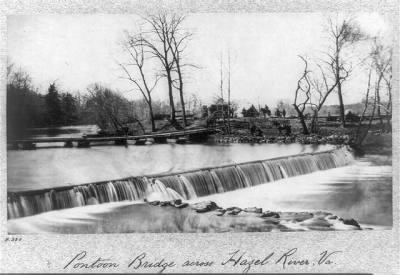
point(51, 167)
point(362, 190)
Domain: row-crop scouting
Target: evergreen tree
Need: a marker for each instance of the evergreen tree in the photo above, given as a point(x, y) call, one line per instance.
point(252, 111)
point(53, 104)
point(69, 109)
point(244, 112)
point(266, 111)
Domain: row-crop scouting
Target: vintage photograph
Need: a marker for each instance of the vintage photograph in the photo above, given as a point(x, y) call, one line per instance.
point(172, 122)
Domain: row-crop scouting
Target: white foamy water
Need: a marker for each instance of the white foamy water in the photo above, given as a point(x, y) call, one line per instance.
point(186, 185)
point(361, 191)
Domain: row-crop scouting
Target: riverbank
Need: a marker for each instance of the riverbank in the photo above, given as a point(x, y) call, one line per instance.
point(176, 217)
point(376, 142)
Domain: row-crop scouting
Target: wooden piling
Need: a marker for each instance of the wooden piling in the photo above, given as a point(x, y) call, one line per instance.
point(83, 144)
point(123, 142)
point(141, 141)
point(68, 144)
point(28, 146)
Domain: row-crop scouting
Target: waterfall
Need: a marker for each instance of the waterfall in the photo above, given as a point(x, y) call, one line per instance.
point(186, 185)
point(31, 203)
point(175, 183)
point(201, 182)
point(255, 173)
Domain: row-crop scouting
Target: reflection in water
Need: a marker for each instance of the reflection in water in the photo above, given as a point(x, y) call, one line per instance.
point(48, 168)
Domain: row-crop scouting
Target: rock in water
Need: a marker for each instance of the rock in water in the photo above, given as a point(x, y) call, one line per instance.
point(220, 212)
point(351, 222)
point(233, 208)
point(234, 211)
point(165, 203)
point(178, 202)
point(182, 205)
point(270, 214)
point(205, 206)
point(253, 210)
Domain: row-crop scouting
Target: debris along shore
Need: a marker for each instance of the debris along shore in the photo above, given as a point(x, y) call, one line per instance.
point(175, 217)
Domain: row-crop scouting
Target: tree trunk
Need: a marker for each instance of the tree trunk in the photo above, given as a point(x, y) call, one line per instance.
point(171, 97)
point(153, 126)
point(339, 84)
point(362, 138)
point(341, 106)
point(378, 100)
point(314, 123)
point(229, 103)
point(302, 120)
point(181, 97)
point(141, 126)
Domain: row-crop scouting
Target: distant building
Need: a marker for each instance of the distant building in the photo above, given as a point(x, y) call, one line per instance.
point(218, 110)
point(251, 112)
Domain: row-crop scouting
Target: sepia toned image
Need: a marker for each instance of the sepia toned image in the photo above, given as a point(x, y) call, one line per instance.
point(171, 122)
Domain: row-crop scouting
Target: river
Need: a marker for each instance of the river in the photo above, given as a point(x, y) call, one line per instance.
point(361, 190)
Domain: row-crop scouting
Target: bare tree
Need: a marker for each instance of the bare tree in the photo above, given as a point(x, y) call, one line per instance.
point(320, 92)
point(161, 40)
point(342, 33)
point(178, 43)
point(18, 78)
point(359, 135)
point(221, 84)
point(156, 41)
point(303, 96)
point(228, 69)
point(135, 48)
point(388, 80)
point(110, 108)
point(220, 99)
point(193, 103)
point(10, 69)
point(381, 62)
point(229, 92)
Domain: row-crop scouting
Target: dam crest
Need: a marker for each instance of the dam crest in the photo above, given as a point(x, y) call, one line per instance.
point(183, 185)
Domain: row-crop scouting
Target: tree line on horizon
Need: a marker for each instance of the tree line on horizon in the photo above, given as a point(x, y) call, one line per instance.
point(27, 107)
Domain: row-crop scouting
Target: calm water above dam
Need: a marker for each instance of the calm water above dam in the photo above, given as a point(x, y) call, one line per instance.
point(361, 190)
point(46, 168)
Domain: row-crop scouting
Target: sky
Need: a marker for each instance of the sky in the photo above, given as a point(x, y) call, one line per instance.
point(79, 50)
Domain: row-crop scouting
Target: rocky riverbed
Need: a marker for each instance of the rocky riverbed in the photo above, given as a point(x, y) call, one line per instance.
point(238, 219)
point(175, 217)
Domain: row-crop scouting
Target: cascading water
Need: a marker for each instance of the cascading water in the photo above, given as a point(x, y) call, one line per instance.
point(254, 173)
point(187, 185)
point(201, 182)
